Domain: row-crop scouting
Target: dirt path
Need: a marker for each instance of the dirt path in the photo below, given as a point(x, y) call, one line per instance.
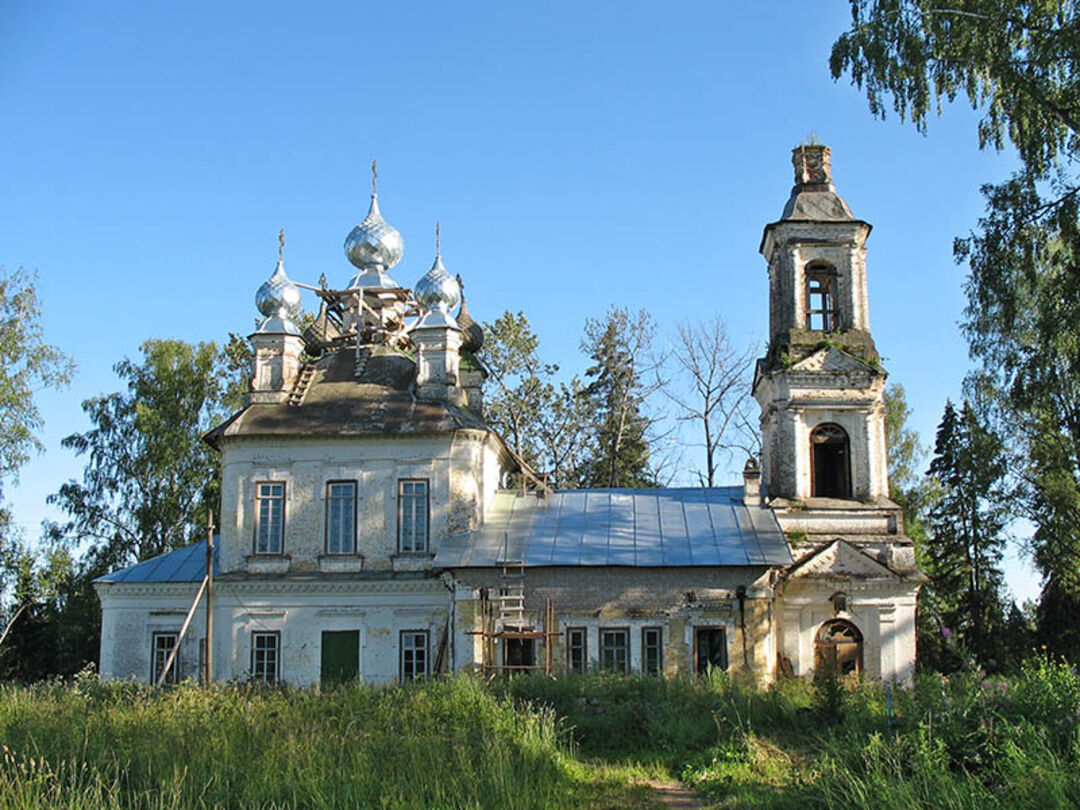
point(674, 795)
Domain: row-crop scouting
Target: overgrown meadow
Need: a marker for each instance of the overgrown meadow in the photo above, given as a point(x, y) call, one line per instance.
point(534, 742)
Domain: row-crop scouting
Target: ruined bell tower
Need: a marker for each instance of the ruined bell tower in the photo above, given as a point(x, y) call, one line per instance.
point(820, 384)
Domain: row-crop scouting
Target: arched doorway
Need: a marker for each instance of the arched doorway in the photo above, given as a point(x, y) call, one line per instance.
point(839, 645)
point(829, 462)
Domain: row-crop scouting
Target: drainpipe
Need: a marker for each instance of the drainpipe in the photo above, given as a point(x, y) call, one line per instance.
point(451, 631)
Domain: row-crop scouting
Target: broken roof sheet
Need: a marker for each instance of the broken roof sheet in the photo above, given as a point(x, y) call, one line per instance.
point(638, 527)
point(187, 564)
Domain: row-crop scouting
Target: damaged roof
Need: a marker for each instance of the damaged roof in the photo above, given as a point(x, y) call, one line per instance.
point(339, 402)
point(632, 527)
point(187, 564)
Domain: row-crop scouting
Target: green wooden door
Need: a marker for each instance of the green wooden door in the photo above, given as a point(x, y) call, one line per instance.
point(340, 656)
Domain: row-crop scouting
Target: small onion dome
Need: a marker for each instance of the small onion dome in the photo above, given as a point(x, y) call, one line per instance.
point(374, 243)
point(472, 336)
point(278, 299)
point(437, 289)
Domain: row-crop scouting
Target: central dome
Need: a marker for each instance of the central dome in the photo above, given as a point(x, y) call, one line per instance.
point(374, 243)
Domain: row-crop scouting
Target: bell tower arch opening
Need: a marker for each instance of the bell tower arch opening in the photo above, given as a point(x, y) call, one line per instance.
point(830, 462)
point(822, 313)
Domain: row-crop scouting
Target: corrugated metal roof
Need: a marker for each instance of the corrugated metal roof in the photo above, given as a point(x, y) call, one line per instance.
point(641, 527)
point(187, 564)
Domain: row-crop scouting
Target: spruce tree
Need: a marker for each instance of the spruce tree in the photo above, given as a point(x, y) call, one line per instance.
point(967, 528)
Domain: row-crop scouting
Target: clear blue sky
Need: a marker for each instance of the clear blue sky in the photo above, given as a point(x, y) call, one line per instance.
point(578, 155)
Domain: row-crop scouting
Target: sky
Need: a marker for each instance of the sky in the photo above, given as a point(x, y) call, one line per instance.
point(579, 155)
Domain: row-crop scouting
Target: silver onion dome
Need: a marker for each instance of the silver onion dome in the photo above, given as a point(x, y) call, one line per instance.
point(374, 244)
point(437, 289)
point(278, 300)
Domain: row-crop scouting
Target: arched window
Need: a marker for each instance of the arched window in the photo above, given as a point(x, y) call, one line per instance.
point(821, 312)
point(829, 462)
point(839, 645)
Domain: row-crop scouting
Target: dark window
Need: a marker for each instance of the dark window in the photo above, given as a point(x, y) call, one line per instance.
point(414, 654)
point(577, 651)
point(269, 517)
point(838, 646)
point(413, 515)
point(652, 651)
point(341, 517)
point(830, 462)
point(615, 650)
point(265, 657)
point(160, 647)
point(519, 654)
point(710, 649)
point(821, 313)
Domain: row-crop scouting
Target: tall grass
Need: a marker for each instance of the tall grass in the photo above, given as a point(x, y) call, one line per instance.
point(534, 742)
point(438, 744)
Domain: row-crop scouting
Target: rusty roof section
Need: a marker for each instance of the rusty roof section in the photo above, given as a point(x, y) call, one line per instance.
point(378, 402)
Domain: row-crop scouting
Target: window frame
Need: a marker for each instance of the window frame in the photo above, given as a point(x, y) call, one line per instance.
point(624, 633)
point(414, 675)
point(258, 516)
point(276, 635)
point(700, 670)
point(155, 669)
point(584, 649)
point(645, 646)
point(402, 482)
point(353, 528)
point(825, 277)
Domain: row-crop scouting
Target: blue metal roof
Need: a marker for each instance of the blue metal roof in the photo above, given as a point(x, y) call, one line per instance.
point(187, 564)
point(638, 527)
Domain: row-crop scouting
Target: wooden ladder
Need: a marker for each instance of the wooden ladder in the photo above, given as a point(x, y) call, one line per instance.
point(512, 595)
point(302, 384)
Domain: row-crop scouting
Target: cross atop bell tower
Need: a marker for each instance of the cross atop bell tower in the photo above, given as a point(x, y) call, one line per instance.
point(820, 383)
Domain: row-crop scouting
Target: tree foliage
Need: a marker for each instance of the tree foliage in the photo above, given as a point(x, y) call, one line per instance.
point(27, 364)
point(1018, 63)
point(967, 527)
point(716, 375)
point(619, 346)
point(149, 480)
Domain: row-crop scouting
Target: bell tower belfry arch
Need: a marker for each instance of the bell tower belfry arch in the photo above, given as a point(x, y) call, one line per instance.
point(820, 385)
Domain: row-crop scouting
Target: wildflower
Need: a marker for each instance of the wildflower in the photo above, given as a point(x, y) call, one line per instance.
point(947, 633)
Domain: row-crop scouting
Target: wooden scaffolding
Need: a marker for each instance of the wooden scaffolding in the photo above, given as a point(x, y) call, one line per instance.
point(504, 624)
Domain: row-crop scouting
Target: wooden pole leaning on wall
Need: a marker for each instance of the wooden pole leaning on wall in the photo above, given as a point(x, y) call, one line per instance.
point(208, 657)
point(183, 631)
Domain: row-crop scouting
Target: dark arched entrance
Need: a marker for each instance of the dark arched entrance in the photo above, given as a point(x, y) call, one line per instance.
point(829, 462)
point(838, 645)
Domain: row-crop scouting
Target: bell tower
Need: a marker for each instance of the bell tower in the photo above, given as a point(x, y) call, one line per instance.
point(820, 384)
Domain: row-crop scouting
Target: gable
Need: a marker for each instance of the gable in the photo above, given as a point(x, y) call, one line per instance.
point(832, 359)
point(840, 560)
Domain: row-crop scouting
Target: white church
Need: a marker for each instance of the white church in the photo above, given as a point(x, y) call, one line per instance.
point(367, 530)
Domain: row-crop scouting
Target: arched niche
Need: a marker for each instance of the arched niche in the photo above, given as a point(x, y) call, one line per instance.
point(839, 645)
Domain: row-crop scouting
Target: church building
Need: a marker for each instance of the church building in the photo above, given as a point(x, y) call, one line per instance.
point(367, 530)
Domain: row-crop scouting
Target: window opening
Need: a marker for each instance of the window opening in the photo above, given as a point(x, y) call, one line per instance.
point(821, 312)
point(265, 657)
point(413, 515)
point(341, 517)
point(161, 645)
point(839, 645)
point(830, 462)
point(269, 517)
point(652, 651)
point(414, 654)
point(519, 654)
point(710, 649)
point(614, 650)
point(577, 651)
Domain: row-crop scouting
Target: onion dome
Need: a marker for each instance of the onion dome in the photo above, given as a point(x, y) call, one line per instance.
point(438, 292)
point(278, 299)
point(472, 335)
point(374, 246)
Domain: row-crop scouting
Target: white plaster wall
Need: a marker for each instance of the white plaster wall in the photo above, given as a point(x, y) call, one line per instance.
point(300, 612)
point(462, 469)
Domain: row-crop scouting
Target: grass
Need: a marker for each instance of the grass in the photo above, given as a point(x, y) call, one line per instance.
point(534, 742)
